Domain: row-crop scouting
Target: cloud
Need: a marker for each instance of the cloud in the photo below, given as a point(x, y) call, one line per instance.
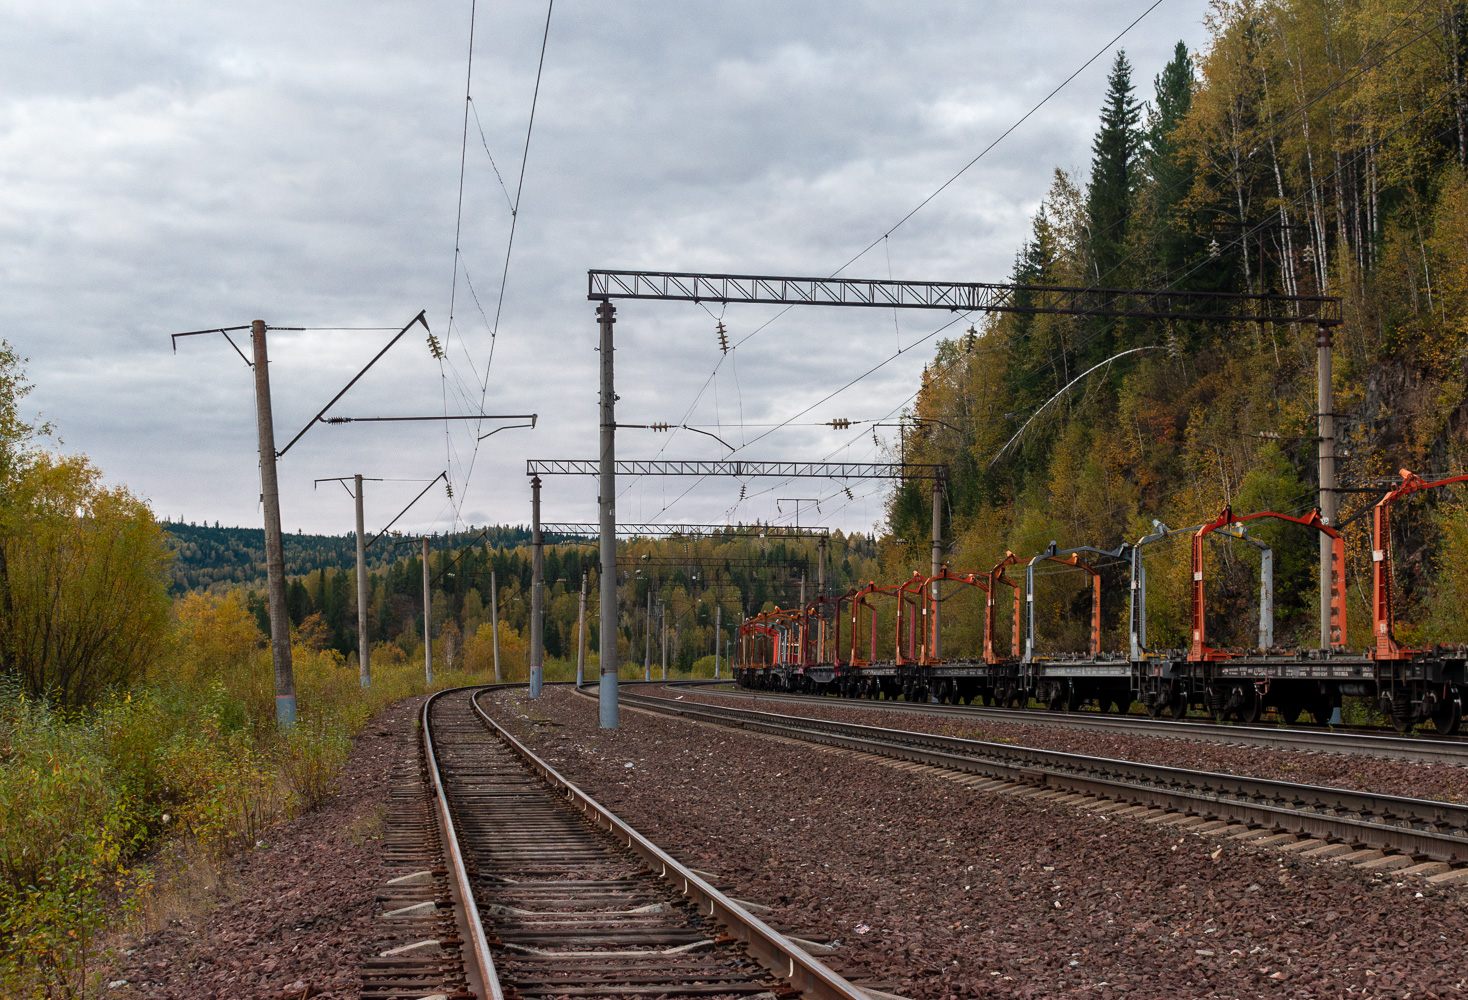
point(167, 167)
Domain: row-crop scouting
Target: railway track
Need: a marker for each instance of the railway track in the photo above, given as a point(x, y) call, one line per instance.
point(530, 888)
point(1417, 829)
point(1417, 749)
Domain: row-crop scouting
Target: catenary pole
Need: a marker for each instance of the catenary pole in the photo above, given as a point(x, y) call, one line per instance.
point(427, 619)
point(280, 629)
point(606, 315)
point(1326, 401)
point(494, 622)
point(364, 643)
point(665, 643)
point(581, 635)
point(647, 637)
point(537, 591)
point(936, 624)
point(718, 635)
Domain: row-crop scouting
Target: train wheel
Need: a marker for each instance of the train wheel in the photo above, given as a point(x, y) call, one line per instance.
point(1321, 711)
point(1178, 706)
point(1289, 711)
point(1251, 706)
point(1398, 708)
point(1449, 715)
point(1053, 695)
point(1072, 700)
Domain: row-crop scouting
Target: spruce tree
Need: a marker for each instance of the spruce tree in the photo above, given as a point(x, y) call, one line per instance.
point(1168, 170)
point(1113, 174)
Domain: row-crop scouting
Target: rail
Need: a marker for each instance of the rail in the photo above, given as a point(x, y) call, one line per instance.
point(479, 963)
point(773, 950)
point(1418, 749)
point(1419, 827)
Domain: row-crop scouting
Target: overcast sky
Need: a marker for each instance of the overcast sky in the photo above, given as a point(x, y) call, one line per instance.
point(168, 166)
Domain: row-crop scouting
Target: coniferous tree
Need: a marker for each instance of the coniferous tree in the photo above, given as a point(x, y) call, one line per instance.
point(1179, 247)
point(1114, 174)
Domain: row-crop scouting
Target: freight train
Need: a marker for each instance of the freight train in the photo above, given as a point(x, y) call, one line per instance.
point(886, 641)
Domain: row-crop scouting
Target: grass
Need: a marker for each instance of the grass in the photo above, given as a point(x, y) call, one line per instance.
point(122, 816)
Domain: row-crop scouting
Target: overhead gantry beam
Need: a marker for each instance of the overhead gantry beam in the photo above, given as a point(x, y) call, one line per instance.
point(689, 530)
point(783, 470)
point(965, 296)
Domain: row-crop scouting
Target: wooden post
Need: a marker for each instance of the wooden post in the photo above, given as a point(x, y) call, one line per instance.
point(494, 623)
point(280, 626)
point(364, 642)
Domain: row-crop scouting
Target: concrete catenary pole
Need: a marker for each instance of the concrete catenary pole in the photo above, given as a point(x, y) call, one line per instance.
point(494, 622)
point(936, 623)
point(1326, 401)
point(280, 626)
point(665, 643)
point(581, 635)
point(427, 619)
point(647, 645)
point(364, 641)
point(607, 502)
point(537, 591)
point(821, 567)
point(718, 635)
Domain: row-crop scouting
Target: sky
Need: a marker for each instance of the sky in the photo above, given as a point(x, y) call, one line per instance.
point(176, 166)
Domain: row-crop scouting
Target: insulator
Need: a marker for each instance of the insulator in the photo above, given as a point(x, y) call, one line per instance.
point(848, 493)
point(742, 488)
point(969, 338)
point(449, 487)
point(434, 347)
point(1213, 250)
point(659, 426)
point(840, 423)
point(723, 338)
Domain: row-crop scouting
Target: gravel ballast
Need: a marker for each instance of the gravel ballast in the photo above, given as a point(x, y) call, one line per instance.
point(944, 891)
point(1443, 782)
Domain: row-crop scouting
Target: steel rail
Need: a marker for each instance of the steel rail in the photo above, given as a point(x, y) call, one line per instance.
point(1422, 750)
point(773, 950)
point(1419, 827)
point(481, 962)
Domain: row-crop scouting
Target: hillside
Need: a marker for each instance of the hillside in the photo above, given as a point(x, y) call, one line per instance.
point(225, 558)
point(1311, 150)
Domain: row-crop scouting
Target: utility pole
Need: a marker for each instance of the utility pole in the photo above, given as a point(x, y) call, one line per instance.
point(607, 502)
point(364, 644)
point(427, 615)
point(280, 626)
point(647, 636)
point(537, 591)
point(936, 623)
point(821, 567)
point(581, 636)
point(718, 635)
point(1326, 405)
point(665, 642)
point(494, 622)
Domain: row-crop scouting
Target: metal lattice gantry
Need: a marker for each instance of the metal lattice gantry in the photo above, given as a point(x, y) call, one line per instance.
point(603, 286)
point(965, 296)
point(564, 528)
point(783, 470)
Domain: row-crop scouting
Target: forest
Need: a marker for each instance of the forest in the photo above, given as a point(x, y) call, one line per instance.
point(737, 570)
